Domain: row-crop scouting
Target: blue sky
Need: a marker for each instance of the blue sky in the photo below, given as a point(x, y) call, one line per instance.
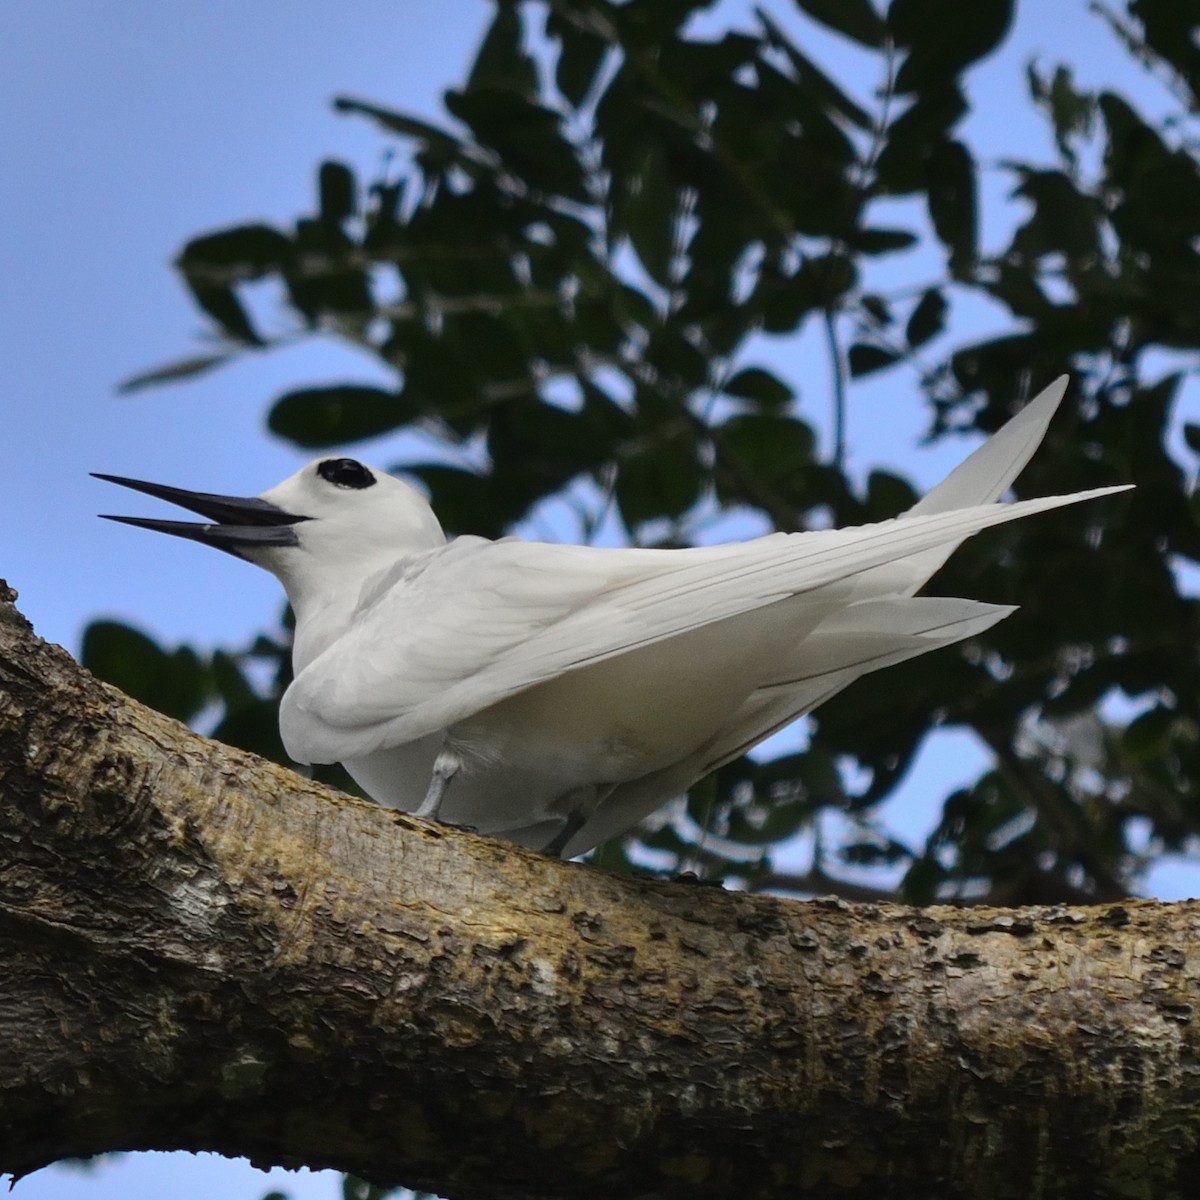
point(130, 126)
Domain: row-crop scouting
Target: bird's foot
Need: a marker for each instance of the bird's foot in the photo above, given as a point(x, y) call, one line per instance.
point(456, 825)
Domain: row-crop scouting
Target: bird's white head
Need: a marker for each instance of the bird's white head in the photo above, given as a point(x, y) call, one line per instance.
point(354, 520)
point(322, 532)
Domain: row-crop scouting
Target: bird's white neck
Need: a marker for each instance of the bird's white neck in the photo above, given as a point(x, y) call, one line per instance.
point(320, 622)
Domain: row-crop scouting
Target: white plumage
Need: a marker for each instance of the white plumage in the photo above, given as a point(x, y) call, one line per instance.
point(566, 692)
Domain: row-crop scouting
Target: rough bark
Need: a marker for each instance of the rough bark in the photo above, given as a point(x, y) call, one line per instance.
point(199, 950)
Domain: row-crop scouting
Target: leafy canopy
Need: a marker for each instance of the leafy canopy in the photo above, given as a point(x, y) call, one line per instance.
point(573, 283)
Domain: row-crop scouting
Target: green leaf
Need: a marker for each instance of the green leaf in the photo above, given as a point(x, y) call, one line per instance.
point(944, 36)
point(681, 365)
point(437, 377)
point(1155, 188)
point(882, 241)
point(233, 255)
point(231, 682)
point(222, 304)
point(580, 55)
point(782, 821)
point(878, 309)
point(865, 358)
point(903, 161)
point(501, 61)
point(1191, 435)
point(1064, 219)
point(887, 496)
point(774, 450)
point(1169, 28)
point(461, 499)
point(1072, 113)
point(759, 385)
point(254, 727)
point(1018, 288)
point(646, 212)
point(821, 283)
point(855, 19)
point(922, 880)
point(174, 683)
point(325, 281)
point(400, 123)
point(174, 372)
point(991, 366)
point(823, 91)
point(928, 318)
point(528, 137)
point(953, 206)
point(651, 22)
point(544, 444)
point(659, 481)
point(384, 231)
point(336, 189)
point(318, 417)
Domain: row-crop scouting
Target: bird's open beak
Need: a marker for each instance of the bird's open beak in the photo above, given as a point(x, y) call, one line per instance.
point(241, 522)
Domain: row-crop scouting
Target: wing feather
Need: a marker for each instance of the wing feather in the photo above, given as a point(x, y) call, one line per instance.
point(464, 629)
point(834, 655)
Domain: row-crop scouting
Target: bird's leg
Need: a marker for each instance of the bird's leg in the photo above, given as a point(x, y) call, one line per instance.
point(445, 767)
point(570, 827)
point(587, 801)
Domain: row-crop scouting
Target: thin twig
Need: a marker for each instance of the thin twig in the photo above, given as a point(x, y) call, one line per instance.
point(839, 390)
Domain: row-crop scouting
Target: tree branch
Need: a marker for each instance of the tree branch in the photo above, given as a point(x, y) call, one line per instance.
point(201, 951)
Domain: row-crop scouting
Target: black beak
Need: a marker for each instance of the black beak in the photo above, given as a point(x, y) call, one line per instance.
point(241, 522)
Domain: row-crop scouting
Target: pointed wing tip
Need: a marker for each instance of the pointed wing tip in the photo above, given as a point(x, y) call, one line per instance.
point(1050, 397)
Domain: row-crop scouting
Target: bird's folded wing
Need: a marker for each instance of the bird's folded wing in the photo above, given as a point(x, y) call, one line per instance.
point(462, 630)
point(863, 638)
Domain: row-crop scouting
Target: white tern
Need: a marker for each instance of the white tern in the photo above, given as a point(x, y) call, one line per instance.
point(556, 695)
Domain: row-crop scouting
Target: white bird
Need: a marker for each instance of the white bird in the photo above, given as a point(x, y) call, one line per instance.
point(556, 695)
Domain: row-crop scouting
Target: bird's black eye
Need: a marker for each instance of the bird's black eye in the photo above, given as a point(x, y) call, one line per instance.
point(345, 472)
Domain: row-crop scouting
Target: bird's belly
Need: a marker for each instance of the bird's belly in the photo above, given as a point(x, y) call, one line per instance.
point(502, 801)
point(397, 777)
